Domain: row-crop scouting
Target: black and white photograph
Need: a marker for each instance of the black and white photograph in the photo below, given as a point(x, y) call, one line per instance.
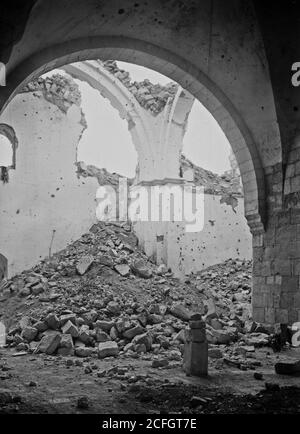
point(149, 211)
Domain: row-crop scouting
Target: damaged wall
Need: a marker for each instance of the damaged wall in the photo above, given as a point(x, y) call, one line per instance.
point(156, 115)
point(44, 206)
point(50, 202)
point(225, 235)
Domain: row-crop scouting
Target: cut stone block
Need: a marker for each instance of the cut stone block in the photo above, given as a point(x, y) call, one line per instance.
point(70, 329)
point(49, 343)
point(123, 269)
point(134, 331)
point(84, 264)
point(108, 349)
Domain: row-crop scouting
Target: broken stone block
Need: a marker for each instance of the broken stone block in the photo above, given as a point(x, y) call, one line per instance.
point(29, 333)
point(211, 309)
point(104, 325)
point(52, 321)
point(123, 269)
point(108, 349)
point(221, 337)
point(160, 363)
point(143, 318)
point(250, 326)
point(121, 325)
point(105, 260)
point(145, 339)
point(33, 345)
point(163, 341)
point(84, 264)
point(179, 311)
point(140, 348)
point(83, 351)
point(41, 326)
point(244, 349)
point(24, 322)
point(134, 331)
point(70, 329)
point(257, 339)
point(37, 289)
point(288, 367)
point(68, 317)
point(141, 269)
point(90, 317)
point(49, 343)
point(66, 346)
point(84, 335)
point(216, 324)
point(113, 307)
point(24, 292)
point(128, 347)
point(113, 333)
point(154, 318)
point(101, 336)
point(180, 337)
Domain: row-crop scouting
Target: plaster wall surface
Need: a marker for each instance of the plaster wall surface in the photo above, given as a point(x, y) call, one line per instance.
point(225, 235)
point(44, 205)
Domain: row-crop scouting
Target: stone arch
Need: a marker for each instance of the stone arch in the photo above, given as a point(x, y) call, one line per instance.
point(176, 118)
point(119, 96)
point(190, 77)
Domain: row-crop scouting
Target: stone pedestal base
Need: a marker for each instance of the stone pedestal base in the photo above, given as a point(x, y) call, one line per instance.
point(195, 361)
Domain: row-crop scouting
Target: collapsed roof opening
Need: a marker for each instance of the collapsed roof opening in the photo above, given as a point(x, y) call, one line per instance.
point(117, 153)
point(106, 142)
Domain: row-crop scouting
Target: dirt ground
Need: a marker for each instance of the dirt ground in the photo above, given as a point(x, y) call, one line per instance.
point(41, 384)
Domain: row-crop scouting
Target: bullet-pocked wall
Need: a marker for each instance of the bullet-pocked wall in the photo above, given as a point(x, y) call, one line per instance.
point(44, 205)
point(46, 222)
point(157, 118)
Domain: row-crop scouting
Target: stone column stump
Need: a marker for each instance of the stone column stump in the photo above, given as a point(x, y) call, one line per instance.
point(195, 359)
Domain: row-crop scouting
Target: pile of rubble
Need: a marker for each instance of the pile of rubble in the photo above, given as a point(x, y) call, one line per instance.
point(102, 297)
point(213, 184)
point(152, 97)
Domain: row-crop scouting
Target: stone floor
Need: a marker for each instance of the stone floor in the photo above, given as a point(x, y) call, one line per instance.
point(46, 384)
